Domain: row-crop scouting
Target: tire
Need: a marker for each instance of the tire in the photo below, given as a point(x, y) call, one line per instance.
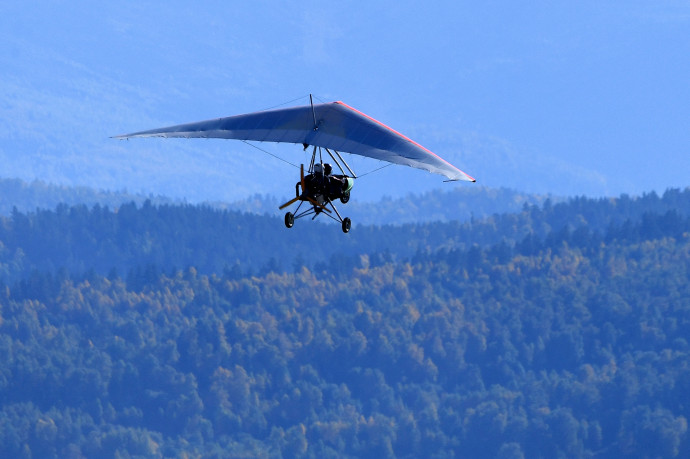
point(347, 224)
point(345, 197)
point(289, 220)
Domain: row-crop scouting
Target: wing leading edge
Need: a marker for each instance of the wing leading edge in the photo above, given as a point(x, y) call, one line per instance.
point(338, 127)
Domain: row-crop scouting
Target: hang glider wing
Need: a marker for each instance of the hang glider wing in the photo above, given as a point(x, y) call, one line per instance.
point(334, 125)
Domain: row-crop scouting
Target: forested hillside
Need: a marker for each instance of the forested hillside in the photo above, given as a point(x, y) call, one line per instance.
point(135, 237)
point(156, 331)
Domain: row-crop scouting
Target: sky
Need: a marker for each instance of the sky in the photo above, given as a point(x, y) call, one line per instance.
point(568, 98)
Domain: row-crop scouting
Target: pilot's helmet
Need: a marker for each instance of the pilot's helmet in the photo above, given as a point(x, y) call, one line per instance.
point(327, 168)
point(318, 169)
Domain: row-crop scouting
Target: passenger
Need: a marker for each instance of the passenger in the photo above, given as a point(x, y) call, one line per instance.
point(336, 184)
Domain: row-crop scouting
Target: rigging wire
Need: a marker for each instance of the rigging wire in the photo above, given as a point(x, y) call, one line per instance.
point(269, 153)
point(285, 103)
point(375, 170)
point(306, 96)
point(297, 167)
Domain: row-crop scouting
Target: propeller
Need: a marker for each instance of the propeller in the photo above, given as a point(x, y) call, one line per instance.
point(297, 193)
point(291, 201)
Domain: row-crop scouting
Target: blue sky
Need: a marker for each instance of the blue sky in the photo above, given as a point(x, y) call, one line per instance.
point(585, 97)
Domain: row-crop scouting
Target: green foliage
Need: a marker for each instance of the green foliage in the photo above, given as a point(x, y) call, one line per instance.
point(565, 337)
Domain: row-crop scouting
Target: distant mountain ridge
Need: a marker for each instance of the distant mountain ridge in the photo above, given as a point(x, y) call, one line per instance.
point(460, 203)
point(29, 196)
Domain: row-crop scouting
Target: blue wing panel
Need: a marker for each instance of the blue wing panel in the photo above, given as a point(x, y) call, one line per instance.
point(338, 127)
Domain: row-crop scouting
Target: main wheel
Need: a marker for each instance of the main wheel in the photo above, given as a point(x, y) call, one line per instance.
point(289, 220)
point(345, 197)
point(346, 225)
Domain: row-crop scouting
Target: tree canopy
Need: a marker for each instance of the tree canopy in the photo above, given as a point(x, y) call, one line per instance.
point(560, 331)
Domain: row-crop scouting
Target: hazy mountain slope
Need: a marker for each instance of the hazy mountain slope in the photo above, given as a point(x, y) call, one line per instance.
point(29, 196)
point(539, 121)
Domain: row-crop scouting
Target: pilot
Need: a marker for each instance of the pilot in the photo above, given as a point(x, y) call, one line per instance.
point(314, 182)
point(335, 184)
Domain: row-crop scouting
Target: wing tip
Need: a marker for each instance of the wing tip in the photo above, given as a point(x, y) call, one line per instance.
point(462, 179)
